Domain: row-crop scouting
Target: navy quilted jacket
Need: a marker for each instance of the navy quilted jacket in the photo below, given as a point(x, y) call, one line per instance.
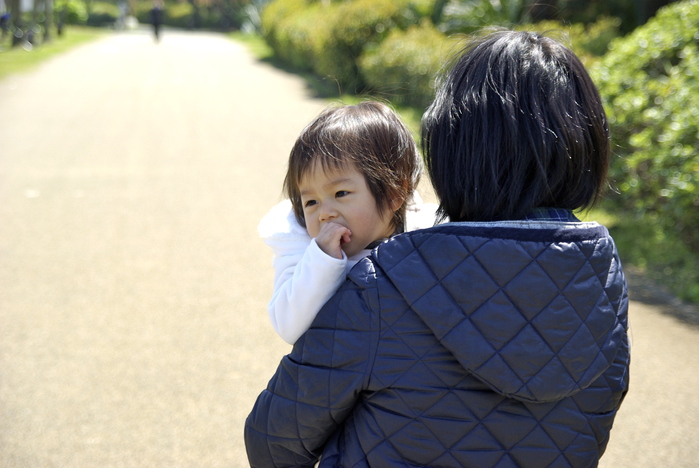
point(463, 345)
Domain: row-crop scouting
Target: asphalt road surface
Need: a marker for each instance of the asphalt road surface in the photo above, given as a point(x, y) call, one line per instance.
point(133, 286)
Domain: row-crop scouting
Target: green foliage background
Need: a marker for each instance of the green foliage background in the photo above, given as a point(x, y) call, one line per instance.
point(648, 80)
point(650, 84)
point(329, 38)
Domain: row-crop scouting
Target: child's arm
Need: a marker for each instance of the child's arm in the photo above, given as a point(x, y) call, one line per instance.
point(302, 285)
point(304, 277)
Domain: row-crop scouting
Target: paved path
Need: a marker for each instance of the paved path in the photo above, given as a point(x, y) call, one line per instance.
point(133, 287)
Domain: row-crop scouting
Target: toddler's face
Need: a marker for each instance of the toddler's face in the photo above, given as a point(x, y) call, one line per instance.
point(343, 197)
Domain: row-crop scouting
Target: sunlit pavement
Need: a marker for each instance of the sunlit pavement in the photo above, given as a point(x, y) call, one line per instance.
point(133, 287)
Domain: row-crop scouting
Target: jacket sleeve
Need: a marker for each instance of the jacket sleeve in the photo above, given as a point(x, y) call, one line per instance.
point(305, 277)
point(302, 284)
point(316, 387)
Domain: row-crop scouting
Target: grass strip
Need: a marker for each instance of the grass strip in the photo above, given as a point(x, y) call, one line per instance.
point(15, 60)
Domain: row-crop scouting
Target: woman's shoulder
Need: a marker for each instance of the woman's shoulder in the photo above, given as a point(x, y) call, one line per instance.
point(450, 243)
point(535, 230)
point(442, 247)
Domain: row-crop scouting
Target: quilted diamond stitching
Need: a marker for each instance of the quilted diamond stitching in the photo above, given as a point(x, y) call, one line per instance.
point(491, 315)
point(520, 287)
point(556, 348)
point(418, 361)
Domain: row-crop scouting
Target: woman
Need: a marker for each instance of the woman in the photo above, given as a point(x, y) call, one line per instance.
point(496, 339)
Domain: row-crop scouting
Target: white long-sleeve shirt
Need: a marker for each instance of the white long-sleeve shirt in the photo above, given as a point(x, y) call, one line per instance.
point(305, 277)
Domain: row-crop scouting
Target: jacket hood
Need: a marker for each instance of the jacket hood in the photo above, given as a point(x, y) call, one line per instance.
point(524, 307)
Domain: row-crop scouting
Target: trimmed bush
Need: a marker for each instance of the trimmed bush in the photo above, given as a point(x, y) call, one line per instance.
point(649, 81)
point(329, 38)
point(404, 66)
point(354, 26)
point(183, 15)
point(284, 23)
point(588, 41)
point(70, 12)
point(177, 14)
point(467, 16)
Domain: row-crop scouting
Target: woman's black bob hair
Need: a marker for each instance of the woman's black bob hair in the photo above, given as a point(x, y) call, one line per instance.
point(516, 124)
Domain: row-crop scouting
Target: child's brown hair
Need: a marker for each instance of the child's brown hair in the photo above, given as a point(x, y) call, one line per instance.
point(369, 137)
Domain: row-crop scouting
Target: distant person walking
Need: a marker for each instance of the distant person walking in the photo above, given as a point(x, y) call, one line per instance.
point(157, 17)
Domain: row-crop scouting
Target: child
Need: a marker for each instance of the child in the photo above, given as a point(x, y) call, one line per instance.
point(350, 179)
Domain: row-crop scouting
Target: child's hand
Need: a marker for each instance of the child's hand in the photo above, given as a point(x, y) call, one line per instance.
point(331, 237)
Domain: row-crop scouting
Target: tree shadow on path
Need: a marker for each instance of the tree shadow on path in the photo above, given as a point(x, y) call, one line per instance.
point(643, 289)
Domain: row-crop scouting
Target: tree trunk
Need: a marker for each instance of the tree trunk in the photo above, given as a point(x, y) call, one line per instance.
point(15, 9)
point(196, 16)
point(48, 20)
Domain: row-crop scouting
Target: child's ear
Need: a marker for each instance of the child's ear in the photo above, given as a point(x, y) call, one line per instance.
point(395, 204)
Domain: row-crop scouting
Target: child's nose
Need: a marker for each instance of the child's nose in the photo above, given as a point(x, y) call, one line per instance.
point(327, 212)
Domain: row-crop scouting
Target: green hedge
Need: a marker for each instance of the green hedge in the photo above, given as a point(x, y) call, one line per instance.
point(385, 47)
point(404, 66)
point(70, 12)
point(357, 25)
point(103, 14)
point(181, 14)
point(588, 41)
point(285, 25)
point(329, 38)
point(650, 83)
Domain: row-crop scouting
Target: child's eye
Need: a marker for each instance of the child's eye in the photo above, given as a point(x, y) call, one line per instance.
point(341, 193)
point(309, 203)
